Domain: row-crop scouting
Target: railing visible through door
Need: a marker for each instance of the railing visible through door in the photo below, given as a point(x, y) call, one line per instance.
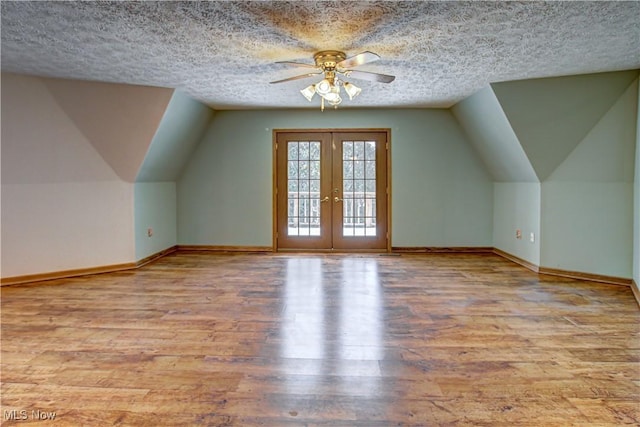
point(304, 214)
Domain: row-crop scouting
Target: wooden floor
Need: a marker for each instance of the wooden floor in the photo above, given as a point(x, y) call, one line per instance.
point(331, 340)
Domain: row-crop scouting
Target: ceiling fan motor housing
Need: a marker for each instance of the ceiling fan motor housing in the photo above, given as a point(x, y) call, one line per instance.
point(329, 59)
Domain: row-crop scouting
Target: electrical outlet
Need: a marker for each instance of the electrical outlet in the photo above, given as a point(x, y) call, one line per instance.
point(149, 232)
point(518, 234)
point(532, 237)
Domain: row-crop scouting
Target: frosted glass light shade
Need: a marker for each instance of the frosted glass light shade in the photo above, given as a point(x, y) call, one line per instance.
point(352, 90)
point(323, 87)
point(308, 92)
point(333, 97)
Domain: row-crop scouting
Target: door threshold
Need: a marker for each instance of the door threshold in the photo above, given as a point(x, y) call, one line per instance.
point(334, 251)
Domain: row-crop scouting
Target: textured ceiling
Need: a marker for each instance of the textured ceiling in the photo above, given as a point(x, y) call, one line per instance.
point(223, 53)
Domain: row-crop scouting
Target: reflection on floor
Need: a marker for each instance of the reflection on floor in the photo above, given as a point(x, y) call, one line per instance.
point(331, 340)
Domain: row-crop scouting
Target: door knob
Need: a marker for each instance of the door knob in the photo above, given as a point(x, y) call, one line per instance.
point(326, 199)
point(337, 199)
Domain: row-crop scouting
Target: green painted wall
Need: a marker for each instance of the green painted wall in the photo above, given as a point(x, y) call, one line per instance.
point(442, 193)
point(578, 133)
point(182, 127)
point(216, 189)
point(516, 197)
point(517, 207)
point(587, 202)
point(155, 208)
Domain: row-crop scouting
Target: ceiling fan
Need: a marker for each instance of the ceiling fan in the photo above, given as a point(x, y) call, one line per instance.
point(331, 64)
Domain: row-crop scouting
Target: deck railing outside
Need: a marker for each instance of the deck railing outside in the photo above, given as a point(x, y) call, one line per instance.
point(359, 214)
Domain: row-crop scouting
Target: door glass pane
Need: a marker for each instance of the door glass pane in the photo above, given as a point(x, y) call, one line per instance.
point(303, 184)
point(358, 188)
point(314, 150)
point(303, 150)
point(358, 169)
point(358, 150)
point(370, 150)
point(347, 150)
point(314, 169)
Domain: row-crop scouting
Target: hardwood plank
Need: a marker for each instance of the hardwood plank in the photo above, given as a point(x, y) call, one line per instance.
point(202, 338)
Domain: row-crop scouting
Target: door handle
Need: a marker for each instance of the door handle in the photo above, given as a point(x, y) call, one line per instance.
point(326, 199)
point(337, 199)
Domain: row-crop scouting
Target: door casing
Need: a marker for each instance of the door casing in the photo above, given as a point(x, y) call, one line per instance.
point(276, 132)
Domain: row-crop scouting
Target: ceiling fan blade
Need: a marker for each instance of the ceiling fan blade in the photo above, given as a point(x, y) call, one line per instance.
point(302, 76)
point(297, 64)
point(359, 59)
point(372, 77)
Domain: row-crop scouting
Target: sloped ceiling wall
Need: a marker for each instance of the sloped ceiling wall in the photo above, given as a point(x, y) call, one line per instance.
point(524, 130)
point(551, 116)
point(39, 140)
point(486, 125)
point(606, 153)
point(181, 128)
point(118, 120)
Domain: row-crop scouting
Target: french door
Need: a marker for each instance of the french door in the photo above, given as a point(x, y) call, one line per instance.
point(331, 190)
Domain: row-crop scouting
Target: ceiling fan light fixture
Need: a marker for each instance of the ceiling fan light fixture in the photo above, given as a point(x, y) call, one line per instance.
point(308, 92)
point(330, 64)
point(333, 98)
point(335, 102)
point(352, 90)
point(323, 87)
